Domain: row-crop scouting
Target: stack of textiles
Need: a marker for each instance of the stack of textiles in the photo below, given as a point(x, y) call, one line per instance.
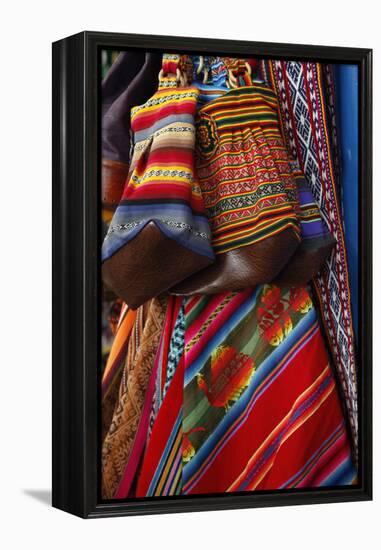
point(222, 381)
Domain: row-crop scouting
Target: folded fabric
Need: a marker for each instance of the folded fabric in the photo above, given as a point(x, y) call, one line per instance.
point(136, 365)
point(112, 375)
point(317, 242)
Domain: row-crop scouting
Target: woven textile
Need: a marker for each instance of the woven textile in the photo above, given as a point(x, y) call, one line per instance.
point(161, 184)
point(252, 403)
point(306, 104)
point(238, 393)
point(243, 169)
point(314, 232)
point(137, 366)
point(153, 400)
point(247, 353)
point(113, 371)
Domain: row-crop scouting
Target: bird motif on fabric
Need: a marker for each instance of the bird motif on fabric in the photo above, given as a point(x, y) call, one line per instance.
point(274, 320)
point(277, 331)
point(188, 450)
point(300, 300)
point(230, 374)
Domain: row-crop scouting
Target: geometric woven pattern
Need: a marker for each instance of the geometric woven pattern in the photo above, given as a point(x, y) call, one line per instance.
point(306, 110)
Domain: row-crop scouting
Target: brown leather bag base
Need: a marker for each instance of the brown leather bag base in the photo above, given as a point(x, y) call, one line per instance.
point(148, 265)
point(243, 267)
point(304, 265)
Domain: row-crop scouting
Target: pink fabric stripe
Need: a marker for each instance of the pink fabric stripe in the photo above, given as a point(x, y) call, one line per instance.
point(190, 303)
point(174, 469)
point(322, 460)
point(309, 471)
point(337, 456)
point(204, 314)
point(214, 327)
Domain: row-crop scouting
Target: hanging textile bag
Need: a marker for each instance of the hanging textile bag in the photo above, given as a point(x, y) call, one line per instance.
point(159, 233)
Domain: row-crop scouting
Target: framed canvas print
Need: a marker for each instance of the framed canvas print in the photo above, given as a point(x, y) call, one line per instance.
point(211, 273)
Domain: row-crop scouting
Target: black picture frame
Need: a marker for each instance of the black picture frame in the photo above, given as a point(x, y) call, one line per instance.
point(76, 274)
